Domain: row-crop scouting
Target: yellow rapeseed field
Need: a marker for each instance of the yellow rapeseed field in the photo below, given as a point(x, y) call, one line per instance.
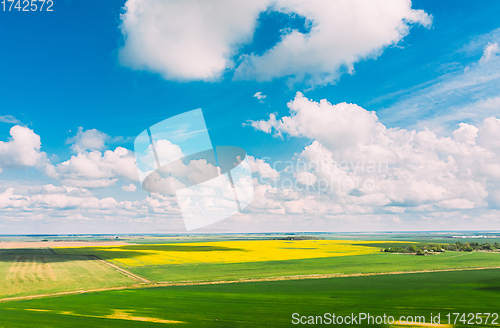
point(224, 251)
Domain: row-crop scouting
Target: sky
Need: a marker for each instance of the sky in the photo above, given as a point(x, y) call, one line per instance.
point(355, 115)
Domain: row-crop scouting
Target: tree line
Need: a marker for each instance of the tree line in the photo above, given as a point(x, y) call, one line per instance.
point(439, 248)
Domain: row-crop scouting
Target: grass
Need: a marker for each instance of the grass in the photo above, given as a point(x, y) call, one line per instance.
point(372, 263)
point(40, 271)
point(222, 252)
point(215, 260)
point(256, 304)
point(265, 304)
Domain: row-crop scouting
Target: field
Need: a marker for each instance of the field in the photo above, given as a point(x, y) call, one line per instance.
point(249, 259)
point(223, 251)
point(39, 271)
point(266, 304)
point(237, 283)
point(373, 263)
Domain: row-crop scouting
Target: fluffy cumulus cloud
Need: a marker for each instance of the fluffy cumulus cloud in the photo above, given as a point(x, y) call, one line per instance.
point(24, 150)
point(363, 167)
point(358, 173)
point(94, 169)
point(343, 127)
point(89, 168)
point(197, 40)
point(188, 39)
point(88, 140)
point(353, 171)
point(71, 197)
point(341, 34)
point(130, 187)
point(264, 170)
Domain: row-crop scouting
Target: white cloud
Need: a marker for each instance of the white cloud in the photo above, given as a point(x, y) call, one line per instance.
point(265, 200)
point(265, 170)
point(339, 126)
point(305, 178)
point(342, 33)
point(491, 51)
point(186, 40)
point(262, 125)
point(95, 169)
point(360, 170)
point(24, 150)
point(50, 197)
point(259, 96)
point(395, 209)
point(478, 44)
point(466, 134)
point(364, 167)
point(88, 140)
point(488, 135)
point(196, 40)
point(9, 119)
point(130, 187)
point(166, 151)
point(51, 189)
point(9, 199)
point(66, 209)
point(460, 204)
point(198, 171)
point(91, 183)
point(87, 169)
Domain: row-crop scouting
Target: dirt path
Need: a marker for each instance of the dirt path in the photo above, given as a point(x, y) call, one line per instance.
point(20, 298)
point(123, 271)
point(148, 284)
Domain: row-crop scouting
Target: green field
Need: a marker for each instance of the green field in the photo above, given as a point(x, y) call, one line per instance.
point(373, 263)
point(41, 271)
point(249, 304)
point(265, 304)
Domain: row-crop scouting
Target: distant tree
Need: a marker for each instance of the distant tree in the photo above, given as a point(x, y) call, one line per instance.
point(486, 246)
point(467, 247)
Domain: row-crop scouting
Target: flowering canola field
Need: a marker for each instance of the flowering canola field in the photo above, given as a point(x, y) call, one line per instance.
point(223, 251)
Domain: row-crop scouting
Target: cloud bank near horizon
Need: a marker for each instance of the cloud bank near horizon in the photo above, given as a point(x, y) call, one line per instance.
point(353, 169)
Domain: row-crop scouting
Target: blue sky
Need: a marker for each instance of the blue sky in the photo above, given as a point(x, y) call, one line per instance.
point(65, 69)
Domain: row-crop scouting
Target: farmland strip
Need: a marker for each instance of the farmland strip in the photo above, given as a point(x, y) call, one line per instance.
point(242, 280)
